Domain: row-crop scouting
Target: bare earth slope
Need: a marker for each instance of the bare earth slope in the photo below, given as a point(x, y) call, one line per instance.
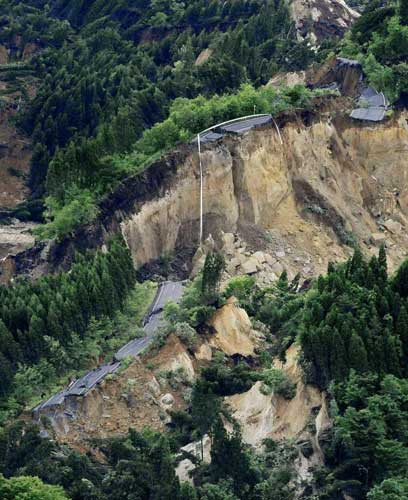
point(332, 183)
point(318, 19)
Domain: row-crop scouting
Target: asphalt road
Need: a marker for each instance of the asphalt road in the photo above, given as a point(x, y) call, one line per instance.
point(238, 127)
point(245, 125)
point(168, 291)
point(85, 383)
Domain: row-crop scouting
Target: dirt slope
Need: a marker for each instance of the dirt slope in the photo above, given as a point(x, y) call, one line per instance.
point(16, 86)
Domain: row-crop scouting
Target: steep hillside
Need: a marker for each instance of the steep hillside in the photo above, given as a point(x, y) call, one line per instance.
point(331, 184)
point(17, 86)
point(318, 19)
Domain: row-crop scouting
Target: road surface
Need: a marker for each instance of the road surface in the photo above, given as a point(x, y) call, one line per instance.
point(238, 127)
point(168, 291)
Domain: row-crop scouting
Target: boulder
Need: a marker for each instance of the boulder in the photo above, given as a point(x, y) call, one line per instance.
point(269, 259)
point(167, 399)
point(228, 243)
point(277, 268)
point(250, 266)
point(186, 466)
point(378, 238)
point(393, 226)
point(154, 387)
point(260, 257)
point(233, 331)
point(204, 352)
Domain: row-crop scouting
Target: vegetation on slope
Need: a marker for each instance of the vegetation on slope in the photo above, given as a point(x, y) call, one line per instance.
point(110, 70)
point(379, 39)
point(50, 326)
point(366, 453)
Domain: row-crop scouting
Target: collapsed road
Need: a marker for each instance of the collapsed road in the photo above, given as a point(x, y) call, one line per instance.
point(235, 127)
point(167, 292)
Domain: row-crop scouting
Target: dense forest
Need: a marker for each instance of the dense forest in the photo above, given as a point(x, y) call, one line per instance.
point(379, 39)
point(44, 324)
point(110, 70)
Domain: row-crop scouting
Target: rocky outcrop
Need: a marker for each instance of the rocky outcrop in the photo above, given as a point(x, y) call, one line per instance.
point(264, 416)
point(303, 420)
point(232, 331)
point(318, 19)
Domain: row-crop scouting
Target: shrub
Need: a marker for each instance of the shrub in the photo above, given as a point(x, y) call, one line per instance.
point(186, 334)
point(63, 220)
point(277, 382)
point(243, 288)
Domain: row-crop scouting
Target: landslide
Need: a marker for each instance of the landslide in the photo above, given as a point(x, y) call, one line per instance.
point(17, 86)
point(332, 184)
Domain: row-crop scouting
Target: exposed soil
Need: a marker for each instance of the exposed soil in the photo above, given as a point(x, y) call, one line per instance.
point(15, 148)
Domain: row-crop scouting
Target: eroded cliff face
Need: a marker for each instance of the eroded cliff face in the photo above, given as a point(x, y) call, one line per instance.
point(317, 19)
point(331, 184)
point(15, 148)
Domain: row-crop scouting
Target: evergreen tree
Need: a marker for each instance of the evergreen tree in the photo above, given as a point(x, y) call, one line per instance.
point(213, 267)
point(403, 11)
point(357, 354)
point(402, 332)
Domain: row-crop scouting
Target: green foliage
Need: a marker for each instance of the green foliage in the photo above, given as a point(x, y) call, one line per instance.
point(225, 379)
point(187, 117)
point(220, 491)
point(244, 289)
point(277, 382)
point(280, 309)
point(379, 39)
point(102, 85)
point(370, 436)
point(194, 308)
point(50, 325)
point(186, 334)
point(214, 266)
point(390, 489)
point(350, 321)
point(64, 219)
point(29, 488)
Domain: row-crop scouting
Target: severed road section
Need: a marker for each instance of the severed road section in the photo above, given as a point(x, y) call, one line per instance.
point(236, 127)
point(167, 292)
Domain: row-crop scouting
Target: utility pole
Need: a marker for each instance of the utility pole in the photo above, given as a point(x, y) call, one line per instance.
point(201, 188)
point(200, 159)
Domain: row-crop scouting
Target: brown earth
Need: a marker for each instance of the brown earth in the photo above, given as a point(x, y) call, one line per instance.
point(140, 396)
point(318, 19)
point(15, 149)
point(330, 184)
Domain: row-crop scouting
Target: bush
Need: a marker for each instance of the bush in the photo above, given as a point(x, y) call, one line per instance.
point(190, 116)
point(63, 220)
point(242, 288)
point(186, 334)
point(277, 382)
